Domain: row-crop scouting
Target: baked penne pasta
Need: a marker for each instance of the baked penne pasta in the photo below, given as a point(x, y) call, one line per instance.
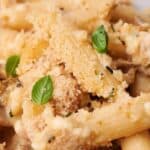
point(140, 141)
point(74, 75)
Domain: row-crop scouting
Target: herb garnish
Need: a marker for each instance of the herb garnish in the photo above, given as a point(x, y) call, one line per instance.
point(42, 90)
point(11, 65)
point(100, 39)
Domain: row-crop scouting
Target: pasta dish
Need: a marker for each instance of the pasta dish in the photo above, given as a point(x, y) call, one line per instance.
point(74, 75)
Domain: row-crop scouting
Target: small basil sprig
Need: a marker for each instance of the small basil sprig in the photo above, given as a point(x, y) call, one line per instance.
point(12, 64)
point(100, 39)
point(42, 90)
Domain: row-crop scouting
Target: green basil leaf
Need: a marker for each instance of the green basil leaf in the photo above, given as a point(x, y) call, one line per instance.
point(42, 90)
point(100, 39)
point(12, 64)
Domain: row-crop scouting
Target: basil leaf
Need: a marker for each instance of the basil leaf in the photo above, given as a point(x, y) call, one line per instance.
point(12, 64)
point(100, 39)
point(42, 90)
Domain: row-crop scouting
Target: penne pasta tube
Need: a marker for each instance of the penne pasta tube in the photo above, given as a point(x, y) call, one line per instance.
point(113, 121)
point(139, 141)
point(116, 120)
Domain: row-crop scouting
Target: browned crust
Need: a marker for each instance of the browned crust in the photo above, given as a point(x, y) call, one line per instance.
point(70, 99)
point(67, 141)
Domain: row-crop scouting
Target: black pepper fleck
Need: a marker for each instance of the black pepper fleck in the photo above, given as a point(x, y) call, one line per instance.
point(109, 69)
point(19, 84)
point(112, 28)
point(102, 74)
point(123, 43)
point(112, 93)
point(61, 8)
point(10, 114)
point(52, 138)
point(94, 97)
point(88, 104)
point(68, 114)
